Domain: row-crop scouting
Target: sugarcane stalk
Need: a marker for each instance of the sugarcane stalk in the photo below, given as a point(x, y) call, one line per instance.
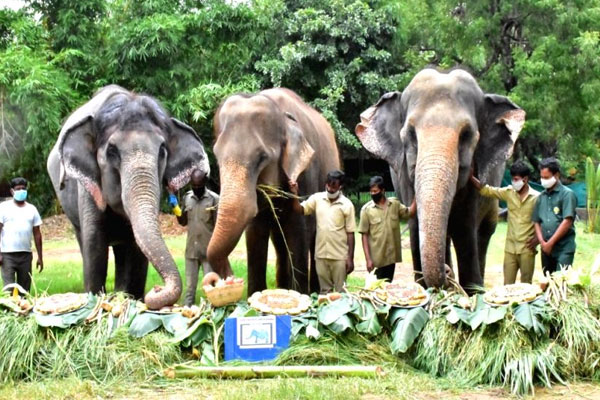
point(264, 371)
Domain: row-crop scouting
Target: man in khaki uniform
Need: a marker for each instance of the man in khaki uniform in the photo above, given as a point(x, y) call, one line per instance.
point(334, 249)
point(380, 228)
point(519, 250)
point(199, 214)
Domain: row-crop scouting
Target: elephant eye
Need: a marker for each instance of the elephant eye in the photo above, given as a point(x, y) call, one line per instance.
point(162, 152)
point(466, 134)
point(261, 158)
point(112, 152)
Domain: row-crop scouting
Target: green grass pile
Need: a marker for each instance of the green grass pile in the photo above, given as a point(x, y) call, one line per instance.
point(348, 349)
point(85, 352)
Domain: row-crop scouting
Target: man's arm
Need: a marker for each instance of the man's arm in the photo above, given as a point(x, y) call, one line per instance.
point(365, 245)
point(487, 191)
point(296, 207)
point(538, 233)
point(183, 219)
point(37, 237)
point(350, 259)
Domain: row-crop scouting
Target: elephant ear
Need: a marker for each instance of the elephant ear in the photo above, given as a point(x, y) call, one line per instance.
point(502, 123)
point(379, 129)
point(297, 153)
point(186, 153)
point(77, 153)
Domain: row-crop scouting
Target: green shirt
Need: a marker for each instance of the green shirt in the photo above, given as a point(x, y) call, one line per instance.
point(383, 227)
point(550, 210)
point(520, 226)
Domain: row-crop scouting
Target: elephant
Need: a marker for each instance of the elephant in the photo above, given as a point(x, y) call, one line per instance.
point(269, 138)
point(112, 156)
point(433, 134)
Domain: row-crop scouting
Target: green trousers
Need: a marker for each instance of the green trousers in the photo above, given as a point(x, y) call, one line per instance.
point(515, 262)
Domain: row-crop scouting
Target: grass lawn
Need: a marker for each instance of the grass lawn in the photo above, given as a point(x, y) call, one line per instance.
point(63, 273)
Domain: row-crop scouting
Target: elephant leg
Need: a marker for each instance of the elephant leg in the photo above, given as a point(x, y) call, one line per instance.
point(487, 227)
point(464, 238)
point(94, 244)
point(257, 246)
point(131, 268)
point(294, 276)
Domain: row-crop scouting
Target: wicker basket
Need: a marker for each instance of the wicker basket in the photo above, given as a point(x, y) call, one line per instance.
point(220, 296)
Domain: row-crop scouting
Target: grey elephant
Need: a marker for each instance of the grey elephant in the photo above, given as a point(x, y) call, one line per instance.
point(431, 135)
point(269, 138)
point(111, 159)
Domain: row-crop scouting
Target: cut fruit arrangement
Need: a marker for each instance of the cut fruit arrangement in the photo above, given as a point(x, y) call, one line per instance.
point(515, 293)
point(222, 291)
point(397, 294)
point(280, 301)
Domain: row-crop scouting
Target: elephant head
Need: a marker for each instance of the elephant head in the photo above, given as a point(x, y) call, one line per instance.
point(431, 134)
point(121, 147)
point(256, 143)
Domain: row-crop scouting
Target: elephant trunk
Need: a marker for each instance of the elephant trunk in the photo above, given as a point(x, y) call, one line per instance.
point(436, 175)
point(237, 206)
point(141, 195)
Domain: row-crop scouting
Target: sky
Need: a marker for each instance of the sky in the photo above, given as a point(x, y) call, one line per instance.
point(14, 4)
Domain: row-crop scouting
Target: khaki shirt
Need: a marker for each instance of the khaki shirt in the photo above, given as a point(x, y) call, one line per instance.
point(383, 227)
point(201, 215)
point(520, 226)
point(334, 221)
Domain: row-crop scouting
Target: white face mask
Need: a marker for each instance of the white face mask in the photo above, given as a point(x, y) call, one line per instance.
point(548, 183)
point(333, 196)
point(518, 185)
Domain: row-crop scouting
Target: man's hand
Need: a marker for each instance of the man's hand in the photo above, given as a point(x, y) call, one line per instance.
point(40, 264)
point(532, 243)
point(349, 266)
point(293, 187)
point(370, 266)
point(547, 248)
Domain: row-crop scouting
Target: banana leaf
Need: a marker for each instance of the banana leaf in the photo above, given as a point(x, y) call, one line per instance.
point(341, 324)
point(529, 316)
point(487, 316)
point(408, 329)
point(147, 322)
point(332, 312)
point(370, 322)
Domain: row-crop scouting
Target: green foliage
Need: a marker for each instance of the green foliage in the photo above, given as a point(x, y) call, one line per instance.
point(339, 55)
point(335, 55)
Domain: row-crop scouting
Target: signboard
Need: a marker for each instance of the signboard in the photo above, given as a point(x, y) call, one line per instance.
point(256, 338)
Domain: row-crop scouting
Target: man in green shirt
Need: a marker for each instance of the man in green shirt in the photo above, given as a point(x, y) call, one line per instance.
point(553, 216)
point(519, 250)
point(380, 228)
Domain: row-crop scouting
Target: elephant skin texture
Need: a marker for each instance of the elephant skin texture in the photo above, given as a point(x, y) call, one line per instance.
point(269, 138)
point(111, 159)
point(431, 135)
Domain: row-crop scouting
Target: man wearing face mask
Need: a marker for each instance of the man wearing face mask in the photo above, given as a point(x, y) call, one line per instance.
point(380, 228)
point(199, 214)
point(334, 246)
point(553, 216)
point(19, 221)
point(521, 241)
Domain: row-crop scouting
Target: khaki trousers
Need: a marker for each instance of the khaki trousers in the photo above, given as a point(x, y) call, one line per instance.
point(192, 265)
point(515, 262)
point(331, 273)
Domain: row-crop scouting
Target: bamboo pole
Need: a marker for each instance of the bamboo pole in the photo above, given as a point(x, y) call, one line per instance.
point(267, 371)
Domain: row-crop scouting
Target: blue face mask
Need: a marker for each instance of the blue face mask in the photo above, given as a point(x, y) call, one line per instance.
point(20, 195)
